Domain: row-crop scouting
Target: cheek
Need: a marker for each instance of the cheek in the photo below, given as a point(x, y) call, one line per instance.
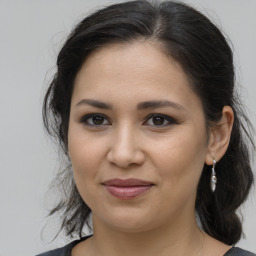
point(180, 165)
point(181, 159)
point(86, 156)
point(85, 149)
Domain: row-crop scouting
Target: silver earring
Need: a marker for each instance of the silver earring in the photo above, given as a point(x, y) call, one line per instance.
point(213, 177)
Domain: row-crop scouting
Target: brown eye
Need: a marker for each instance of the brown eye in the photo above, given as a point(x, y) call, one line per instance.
point(95, 120)
point(158, 120)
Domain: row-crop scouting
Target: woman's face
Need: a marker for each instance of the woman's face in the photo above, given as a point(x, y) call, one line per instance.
point(137, 138)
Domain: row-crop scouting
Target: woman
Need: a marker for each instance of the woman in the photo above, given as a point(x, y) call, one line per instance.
point(144, 106)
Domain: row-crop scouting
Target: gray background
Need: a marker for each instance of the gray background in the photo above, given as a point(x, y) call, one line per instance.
point(31, 33)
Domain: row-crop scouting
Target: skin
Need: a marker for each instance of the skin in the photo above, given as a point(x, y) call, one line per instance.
point(128, 142)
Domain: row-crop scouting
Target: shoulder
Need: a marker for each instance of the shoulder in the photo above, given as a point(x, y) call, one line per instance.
point(63, 251)
point(236, 251)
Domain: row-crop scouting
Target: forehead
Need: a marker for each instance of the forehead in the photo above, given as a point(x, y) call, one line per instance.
point(147, 54)
point(138, 70)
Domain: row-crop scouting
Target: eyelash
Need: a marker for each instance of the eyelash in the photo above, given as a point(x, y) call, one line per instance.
point(166, 118)
point(85, 120)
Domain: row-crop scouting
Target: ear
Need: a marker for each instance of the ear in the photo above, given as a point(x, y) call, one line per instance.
point(219, 136)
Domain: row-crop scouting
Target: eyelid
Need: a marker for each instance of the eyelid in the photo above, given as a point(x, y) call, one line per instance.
point(91, 115)
point(171, 120)
point(167, 118)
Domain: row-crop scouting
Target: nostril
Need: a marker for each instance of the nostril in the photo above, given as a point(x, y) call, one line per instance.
point(124, 159)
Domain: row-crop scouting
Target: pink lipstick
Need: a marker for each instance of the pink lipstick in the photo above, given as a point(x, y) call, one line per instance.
point(127, 189)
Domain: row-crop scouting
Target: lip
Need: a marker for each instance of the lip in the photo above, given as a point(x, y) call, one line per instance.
point(128, 188)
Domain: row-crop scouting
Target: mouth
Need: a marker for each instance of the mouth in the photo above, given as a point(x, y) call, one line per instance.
point(128, 188)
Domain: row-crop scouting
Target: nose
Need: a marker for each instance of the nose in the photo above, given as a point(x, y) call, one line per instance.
point(125, 149)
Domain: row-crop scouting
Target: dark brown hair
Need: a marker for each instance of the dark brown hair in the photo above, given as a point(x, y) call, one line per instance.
point(205, 56)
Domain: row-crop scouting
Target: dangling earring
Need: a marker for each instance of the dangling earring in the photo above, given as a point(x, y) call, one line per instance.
point(213, 177)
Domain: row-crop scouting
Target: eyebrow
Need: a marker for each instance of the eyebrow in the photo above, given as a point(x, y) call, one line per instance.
point(158, 104)
point(94, 103)
point(142, 105)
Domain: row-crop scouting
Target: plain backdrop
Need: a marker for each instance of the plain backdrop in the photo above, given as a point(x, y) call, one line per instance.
point(31, 33)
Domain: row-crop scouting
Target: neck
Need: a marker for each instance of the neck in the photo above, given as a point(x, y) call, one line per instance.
point(174, 239)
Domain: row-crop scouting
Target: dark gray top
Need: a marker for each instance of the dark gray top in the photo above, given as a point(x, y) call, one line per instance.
point(66, 250)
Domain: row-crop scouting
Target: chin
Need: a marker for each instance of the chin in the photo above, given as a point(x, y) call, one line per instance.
point(126, 220)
